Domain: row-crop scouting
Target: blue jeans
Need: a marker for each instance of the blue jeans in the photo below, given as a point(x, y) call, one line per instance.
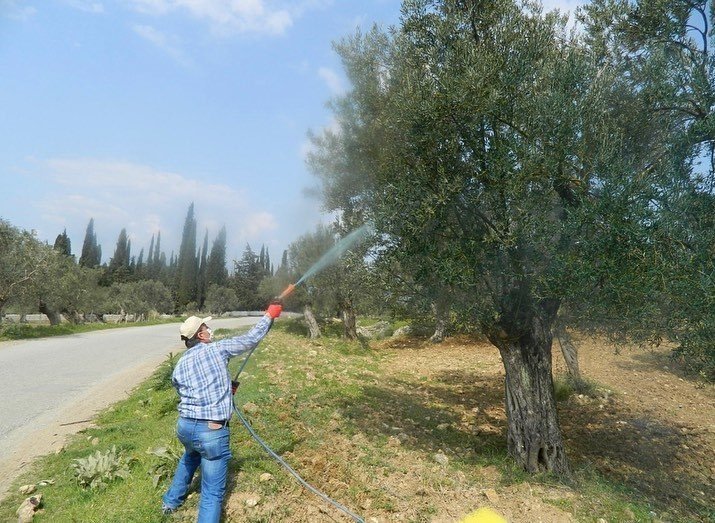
point(210, 449)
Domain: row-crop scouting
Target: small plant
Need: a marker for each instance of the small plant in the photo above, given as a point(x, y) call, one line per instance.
point(101, 468)
point(161, 379)
point(566, 386)
point(164, 463)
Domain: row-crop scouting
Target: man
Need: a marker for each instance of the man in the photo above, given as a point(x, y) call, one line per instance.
point(205, 405)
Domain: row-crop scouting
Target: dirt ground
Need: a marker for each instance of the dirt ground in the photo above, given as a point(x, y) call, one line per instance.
point(648, 427)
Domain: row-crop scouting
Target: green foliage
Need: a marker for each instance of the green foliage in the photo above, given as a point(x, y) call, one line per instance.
point(566, 386)
point(216, 272)
point(163, 463)
point(187, 264)
point(62, 244)
point(101, 468)
point(220, 299)
point(697, 351)
point(249, 271)
point(161, 379)
point(139, 298)
point(23, 262)
point(91, 255)
point(20, 331)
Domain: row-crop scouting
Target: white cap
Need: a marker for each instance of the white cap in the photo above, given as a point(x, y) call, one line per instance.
point(192, 325)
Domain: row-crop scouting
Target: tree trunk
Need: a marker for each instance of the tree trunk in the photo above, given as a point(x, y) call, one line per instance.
point(534, 436)
point(73, 316)
point(349, 320)
point(440, 308)
point(52, 315)
point(570, 352)
point(313, 327)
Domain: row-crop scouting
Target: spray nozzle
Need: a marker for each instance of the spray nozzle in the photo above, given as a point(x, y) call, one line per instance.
point(288, 290)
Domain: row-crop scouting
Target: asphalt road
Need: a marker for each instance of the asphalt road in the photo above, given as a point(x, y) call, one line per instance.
point(54, 386)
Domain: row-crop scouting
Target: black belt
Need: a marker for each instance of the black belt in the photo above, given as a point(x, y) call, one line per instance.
point(222, 422)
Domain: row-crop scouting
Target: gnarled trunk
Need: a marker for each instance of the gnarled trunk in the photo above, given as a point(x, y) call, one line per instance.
point(313, 327)
point(440, 309)
point(349, 320)
point(52, 314)
point(534, 435)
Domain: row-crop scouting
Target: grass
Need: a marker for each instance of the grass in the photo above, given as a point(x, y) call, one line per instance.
point(24, 331)
point(344, 419)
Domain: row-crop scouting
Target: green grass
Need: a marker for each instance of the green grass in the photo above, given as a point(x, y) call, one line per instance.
point(24, 331)
point(333, 410)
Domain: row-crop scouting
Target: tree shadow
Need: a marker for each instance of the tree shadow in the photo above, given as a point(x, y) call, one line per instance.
point(463, 412)
point(458, 412)
point(641, 452)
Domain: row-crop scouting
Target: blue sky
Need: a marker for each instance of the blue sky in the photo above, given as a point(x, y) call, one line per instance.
point(126, 111)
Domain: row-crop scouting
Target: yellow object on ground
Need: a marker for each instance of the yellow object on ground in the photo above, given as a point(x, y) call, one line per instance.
point(483, 515)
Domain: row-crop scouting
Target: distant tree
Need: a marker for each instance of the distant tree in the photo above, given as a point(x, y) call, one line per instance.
point(150, 257)
point(216, 266)
point(247, 276)
point(91, 251)
point(202, 284)
point(159, 259)
point(221, 299)
point(63, 245)
point(332, 289)
point(66, 288)
point(23, 261)
point(118, 269)
point(186, 264)
point(140, 268)
point(140, 298)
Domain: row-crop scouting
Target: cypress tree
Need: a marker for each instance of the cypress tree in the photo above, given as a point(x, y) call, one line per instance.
point(63, 244)
point(91, 252)
point(159, 257)
point(202, 282)
point(216, 266)
point(186, 266)
point(120, 265)
point(121, 252)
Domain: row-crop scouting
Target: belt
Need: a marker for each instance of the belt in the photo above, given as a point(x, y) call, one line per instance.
point(222, 422)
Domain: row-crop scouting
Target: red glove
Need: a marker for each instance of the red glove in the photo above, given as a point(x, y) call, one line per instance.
point(274, 310)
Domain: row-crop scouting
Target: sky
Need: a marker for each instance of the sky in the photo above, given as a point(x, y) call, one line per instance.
point(127, 111)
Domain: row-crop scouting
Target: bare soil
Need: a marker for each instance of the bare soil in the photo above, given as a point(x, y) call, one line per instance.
point(648, 427)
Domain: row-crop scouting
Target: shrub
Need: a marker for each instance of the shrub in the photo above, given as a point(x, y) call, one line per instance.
point(164, 463)
point(161, 380)
point(101, 468)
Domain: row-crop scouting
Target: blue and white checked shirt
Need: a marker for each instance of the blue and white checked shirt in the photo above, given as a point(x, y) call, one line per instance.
point(201, 375)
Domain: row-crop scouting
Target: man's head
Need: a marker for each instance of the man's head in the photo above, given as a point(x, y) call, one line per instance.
point(195, 329)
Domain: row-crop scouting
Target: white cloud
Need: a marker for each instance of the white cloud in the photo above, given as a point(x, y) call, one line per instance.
point(14, 10)
point(332, 80)
point(258, 223)
point(167, 44)
point(144, 200)
point(88, 6)
point(227, 16)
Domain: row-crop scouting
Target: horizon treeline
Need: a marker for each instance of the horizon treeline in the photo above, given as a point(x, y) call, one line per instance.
point(187, 277)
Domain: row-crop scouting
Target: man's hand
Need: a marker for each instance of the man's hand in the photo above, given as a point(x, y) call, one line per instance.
point(274, 310)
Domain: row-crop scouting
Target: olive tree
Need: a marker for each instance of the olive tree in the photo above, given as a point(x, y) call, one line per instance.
point(23, 261)
point(498, 156)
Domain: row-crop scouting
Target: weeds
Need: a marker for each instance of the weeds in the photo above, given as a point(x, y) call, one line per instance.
point(101, 468)
point(164, 463)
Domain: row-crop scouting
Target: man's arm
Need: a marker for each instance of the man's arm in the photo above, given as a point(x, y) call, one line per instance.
point(245, 342)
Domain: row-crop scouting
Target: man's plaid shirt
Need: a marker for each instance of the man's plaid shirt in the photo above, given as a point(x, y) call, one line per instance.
point(201, 375)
